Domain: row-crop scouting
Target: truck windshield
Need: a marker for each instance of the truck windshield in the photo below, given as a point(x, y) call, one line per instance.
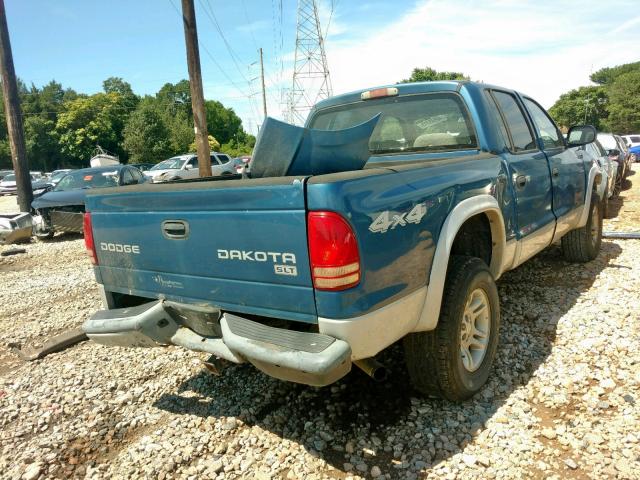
point(175, 163)
point(88, 179)
point(413, 123)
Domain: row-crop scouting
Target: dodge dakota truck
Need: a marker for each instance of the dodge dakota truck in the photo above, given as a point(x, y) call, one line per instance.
point(319, 261)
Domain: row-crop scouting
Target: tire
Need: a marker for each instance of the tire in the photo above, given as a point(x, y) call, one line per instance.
point(607, 211)
point(617, 186)
point(434, 359)
point(583, 244)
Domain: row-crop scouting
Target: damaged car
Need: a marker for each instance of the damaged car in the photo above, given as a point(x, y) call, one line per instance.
point(62, 208)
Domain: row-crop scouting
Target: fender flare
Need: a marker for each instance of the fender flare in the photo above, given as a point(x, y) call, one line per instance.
point(584, 215)
point(466, 209)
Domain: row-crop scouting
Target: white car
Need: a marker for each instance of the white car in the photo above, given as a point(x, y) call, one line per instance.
point(186, 166)
point(632, 140)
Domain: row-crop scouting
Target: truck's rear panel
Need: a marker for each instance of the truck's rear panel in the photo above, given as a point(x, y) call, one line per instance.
point(238, 244)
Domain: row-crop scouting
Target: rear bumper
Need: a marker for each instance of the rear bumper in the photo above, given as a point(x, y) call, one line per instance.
point(309, 358)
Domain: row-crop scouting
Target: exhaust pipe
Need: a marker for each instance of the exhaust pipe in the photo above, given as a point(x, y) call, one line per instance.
point(373, 368)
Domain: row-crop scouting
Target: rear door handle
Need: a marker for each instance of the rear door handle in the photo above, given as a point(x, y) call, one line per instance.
point(555, 172)
point(175, 229)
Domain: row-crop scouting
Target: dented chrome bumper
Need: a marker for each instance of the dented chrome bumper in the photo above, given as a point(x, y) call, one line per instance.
point(309, 358)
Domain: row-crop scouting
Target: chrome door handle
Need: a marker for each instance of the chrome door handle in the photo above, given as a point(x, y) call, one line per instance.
point(555, 172)
point(521, 180)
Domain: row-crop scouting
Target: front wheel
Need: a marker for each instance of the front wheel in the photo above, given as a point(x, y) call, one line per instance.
point(583, 244)
point(454, 360)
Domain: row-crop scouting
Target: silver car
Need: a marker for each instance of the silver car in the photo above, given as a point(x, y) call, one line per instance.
point(186, 166)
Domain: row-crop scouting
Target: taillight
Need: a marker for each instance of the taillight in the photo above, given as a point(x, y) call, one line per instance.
point(333, 252)
point(88, 238)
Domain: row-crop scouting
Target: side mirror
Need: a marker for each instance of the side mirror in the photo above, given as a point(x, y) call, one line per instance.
point(188, 166)
point(579, 135)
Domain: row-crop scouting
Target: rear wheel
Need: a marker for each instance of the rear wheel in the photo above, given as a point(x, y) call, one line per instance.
point(583, 244)
point(455, 359)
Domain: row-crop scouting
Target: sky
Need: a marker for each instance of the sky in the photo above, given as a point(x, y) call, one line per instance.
point(543, 48)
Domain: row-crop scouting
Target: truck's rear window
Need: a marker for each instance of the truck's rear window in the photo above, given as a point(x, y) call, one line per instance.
point(413, 123)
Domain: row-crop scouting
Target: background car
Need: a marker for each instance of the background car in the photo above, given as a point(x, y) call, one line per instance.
point(633, 143)
point(609, 169)
point(4, 173)
point(57, 175)
point(62, 208)
point(626, 154)
point(8, 184)
point(615, 153)
point(143, 167)
point(186, 166)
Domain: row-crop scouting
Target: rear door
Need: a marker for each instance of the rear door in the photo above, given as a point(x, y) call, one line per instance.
point(240, 245)
point(529, 174)
point(568, 175)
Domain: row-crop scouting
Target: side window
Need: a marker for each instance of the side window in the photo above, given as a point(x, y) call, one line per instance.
point(214, 160)
point(498, 119)
point(521, 137)
point(547, 130)
point(223, 158)
point(193, 162)
point(127, 177)
point(137, 174)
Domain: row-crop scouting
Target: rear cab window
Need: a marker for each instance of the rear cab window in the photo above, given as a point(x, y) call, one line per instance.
point(520, 135)
point(432, 122)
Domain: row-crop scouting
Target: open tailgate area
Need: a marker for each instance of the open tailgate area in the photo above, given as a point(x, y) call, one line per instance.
point(238, 244)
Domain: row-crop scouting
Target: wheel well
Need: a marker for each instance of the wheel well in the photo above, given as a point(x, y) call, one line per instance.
point(474, 238)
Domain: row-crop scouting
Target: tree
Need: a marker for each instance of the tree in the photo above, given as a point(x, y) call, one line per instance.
point(582, 105)
point(146, 136)
point(222, 122)
point(624, 94)
point(87, 122)
point(214, 145)
point(181, 132)
point(607, 75)
point(428, 74)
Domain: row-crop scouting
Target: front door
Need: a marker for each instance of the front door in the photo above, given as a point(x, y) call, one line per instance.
point(530, 177)
point(568, 175)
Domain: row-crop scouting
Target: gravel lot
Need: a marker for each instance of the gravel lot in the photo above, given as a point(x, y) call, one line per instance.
point(563, 400)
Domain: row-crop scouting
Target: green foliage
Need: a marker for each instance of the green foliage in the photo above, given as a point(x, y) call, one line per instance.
point(146, 135)
point(607, 75)
point(582, 105)
point(428, 74)
point(222, 122)
point(87, 122)
point(214, 145)
point(238, 149)
point(624, 109)
point(62, 127)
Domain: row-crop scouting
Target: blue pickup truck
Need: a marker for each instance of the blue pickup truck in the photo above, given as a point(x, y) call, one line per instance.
point(308, 272)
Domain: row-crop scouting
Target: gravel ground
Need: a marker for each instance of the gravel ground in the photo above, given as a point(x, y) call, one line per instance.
point(563, 400)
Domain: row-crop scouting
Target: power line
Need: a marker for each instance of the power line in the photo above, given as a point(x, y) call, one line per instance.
point(234, 57)
point(222, 71)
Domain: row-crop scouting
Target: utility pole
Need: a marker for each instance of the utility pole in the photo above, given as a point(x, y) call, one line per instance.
point(264, 93)
point(195, 82)
point(14, 116)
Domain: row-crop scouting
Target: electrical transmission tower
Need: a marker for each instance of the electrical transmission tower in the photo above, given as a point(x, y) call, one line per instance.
point(311, 81)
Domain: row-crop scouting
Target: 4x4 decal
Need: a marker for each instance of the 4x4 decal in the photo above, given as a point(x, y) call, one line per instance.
point(388, 221)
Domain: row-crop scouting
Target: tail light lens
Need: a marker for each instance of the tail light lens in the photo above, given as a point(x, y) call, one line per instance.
point(88, 238)
point(333, 252)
